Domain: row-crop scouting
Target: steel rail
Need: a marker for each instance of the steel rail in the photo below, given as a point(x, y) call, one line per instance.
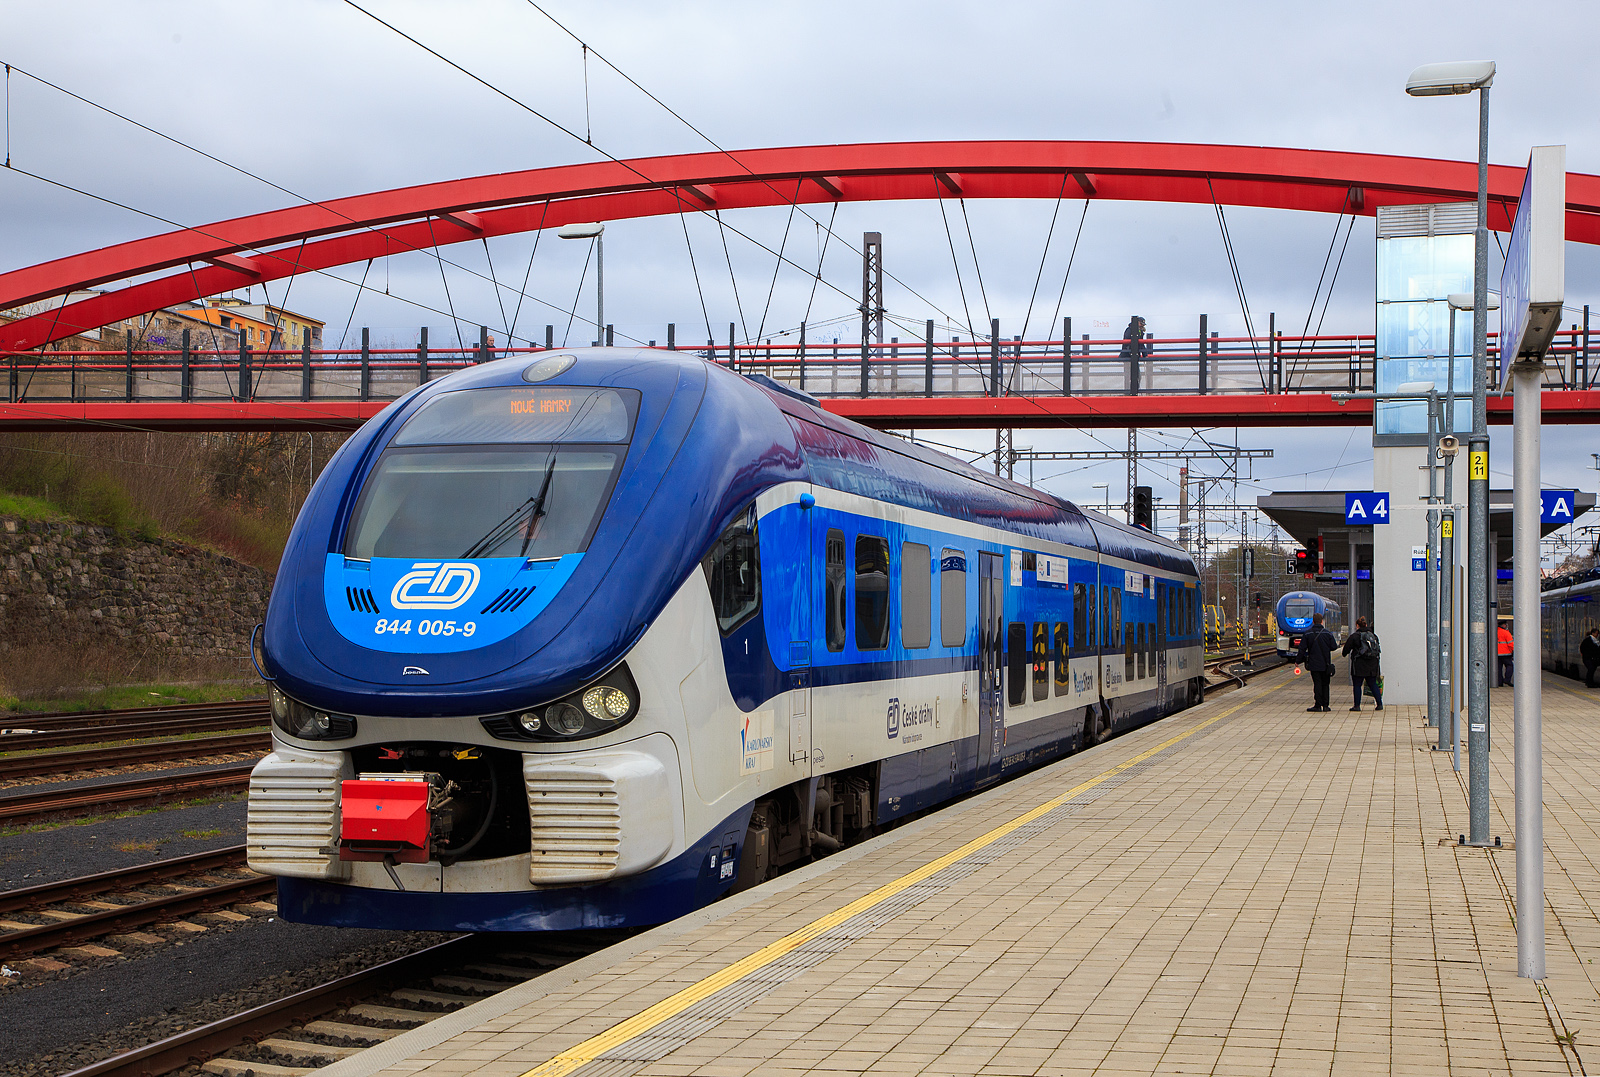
point(28, 766)
point(165, 712)
point(63, 738)
point(31, 897)
point(199, 1044)
point(165, 907)
point(28, 807)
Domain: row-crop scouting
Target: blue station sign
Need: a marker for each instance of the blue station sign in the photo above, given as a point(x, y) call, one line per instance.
point(1366, 508)
point(1555, 506)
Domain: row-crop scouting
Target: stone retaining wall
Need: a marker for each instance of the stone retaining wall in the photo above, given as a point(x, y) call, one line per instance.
point(74, 585)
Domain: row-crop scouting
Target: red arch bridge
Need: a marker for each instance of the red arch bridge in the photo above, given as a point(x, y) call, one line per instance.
point(1271, 380)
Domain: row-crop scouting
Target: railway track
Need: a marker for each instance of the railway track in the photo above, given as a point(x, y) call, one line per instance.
point(61, 902)
point(18, 808)
point(318, 1026)
point(79, 719)
point(24, 738)
point(31, 766)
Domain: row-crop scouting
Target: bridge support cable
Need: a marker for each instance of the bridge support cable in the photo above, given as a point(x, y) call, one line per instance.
point(783, 245)
point(351, 320)
point(499, 300)
point(516, 315)
point(977, 267)
point(1238, 283)
point(693, 268)
point(1055, 317)
point(582, 276)
point(1045, 254)
point(822, 254)
point(1316, 294)
point(449, 302)
point(733, 277)
point(966, 309)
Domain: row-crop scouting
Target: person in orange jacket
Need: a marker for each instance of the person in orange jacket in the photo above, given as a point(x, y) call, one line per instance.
point(1506, 646)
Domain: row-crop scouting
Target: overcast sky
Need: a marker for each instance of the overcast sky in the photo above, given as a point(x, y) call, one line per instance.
point(319, 98)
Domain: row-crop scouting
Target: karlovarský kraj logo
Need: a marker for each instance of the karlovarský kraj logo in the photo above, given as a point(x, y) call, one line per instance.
point(435, 585)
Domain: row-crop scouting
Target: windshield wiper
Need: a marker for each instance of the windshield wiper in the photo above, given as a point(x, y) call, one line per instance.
point(504, 529)
point(538, 505)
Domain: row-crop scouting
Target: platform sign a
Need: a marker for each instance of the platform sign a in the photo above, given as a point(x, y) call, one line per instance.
point(1366, 508)
point(1555, 506)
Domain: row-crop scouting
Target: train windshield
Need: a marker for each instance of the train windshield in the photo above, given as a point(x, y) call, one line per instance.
point(495, 473)
point(1299, 611)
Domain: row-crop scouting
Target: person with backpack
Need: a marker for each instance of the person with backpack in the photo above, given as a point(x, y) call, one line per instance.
point(1316, 654)
point(1363, 650)
point(1589, 651)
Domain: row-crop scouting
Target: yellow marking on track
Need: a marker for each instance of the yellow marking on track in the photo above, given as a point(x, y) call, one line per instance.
point(669, 1007)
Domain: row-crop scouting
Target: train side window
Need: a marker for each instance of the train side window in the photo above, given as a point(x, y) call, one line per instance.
point(833, 586)
point(1041, 661)
point(1092, 619)
point(1016, 663)
point(1063, 669)
point(1079, 611)
point(1116, 616)
point(1150, 651)
point(733, 572)
point(953, 598)
point(1139, 660)
point(872, 593)
point(916, 595)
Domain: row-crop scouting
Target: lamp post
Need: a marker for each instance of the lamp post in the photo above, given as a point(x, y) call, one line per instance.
point(1432, 80)
point(597, 233)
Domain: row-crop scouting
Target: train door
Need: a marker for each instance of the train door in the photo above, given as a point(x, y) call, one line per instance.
point(1163, 629)
point(991, 639)
point(806, 619)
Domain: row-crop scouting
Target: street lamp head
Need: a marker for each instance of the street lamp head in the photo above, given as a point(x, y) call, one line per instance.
point(1341, 399)
point(581, 231)
point(1460, 76)
point(1464, 301)
point(1417, 388)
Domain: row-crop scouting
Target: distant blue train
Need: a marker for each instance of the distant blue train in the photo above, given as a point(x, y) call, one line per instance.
point(1293, 614)
point(594, 638)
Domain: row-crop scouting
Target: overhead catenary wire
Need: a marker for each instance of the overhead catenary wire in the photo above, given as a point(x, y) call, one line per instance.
point(794, 203)
point(277, 255)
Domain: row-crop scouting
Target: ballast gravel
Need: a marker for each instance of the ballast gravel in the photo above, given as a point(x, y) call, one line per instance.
point(50, 853)
point(61, 1024)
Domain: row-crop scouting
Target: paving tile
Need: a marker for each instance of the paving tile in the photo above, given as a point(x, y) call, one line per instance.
point(1269, 897)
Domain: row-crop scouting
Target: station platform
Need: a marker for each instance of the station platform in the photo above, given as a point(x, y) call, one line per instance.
point(1242, 889)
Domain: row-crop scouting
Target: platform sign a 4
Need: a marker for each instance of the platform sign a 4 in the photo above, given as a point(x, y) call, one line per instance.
point(1555, 506)
point(1366, 508)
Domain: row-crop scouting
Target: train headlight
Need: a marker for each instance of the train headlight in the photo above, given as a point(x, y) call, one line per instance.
point(602, 707)
point(564, 718)
point(307, 723)
point(607, 703)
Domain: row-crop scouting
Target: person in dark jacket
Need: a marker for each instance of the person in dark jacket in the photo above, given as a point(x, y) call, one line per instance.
point(1363, 650)
point(1316, 654)
point(1134, 348)
point(1589, 651)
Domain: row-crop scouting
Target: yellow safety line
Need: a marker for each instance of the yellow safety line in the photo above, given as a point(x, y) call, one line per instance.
point(671, 1006)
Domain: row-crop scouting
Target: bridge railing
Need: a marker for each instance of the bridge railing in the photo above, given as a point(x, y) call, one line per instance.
point(1106, 367)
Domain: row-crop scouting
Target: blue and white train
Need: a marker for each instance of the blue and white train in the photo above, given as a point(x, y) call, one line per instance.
point(594, 638)
point(1293, 616)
